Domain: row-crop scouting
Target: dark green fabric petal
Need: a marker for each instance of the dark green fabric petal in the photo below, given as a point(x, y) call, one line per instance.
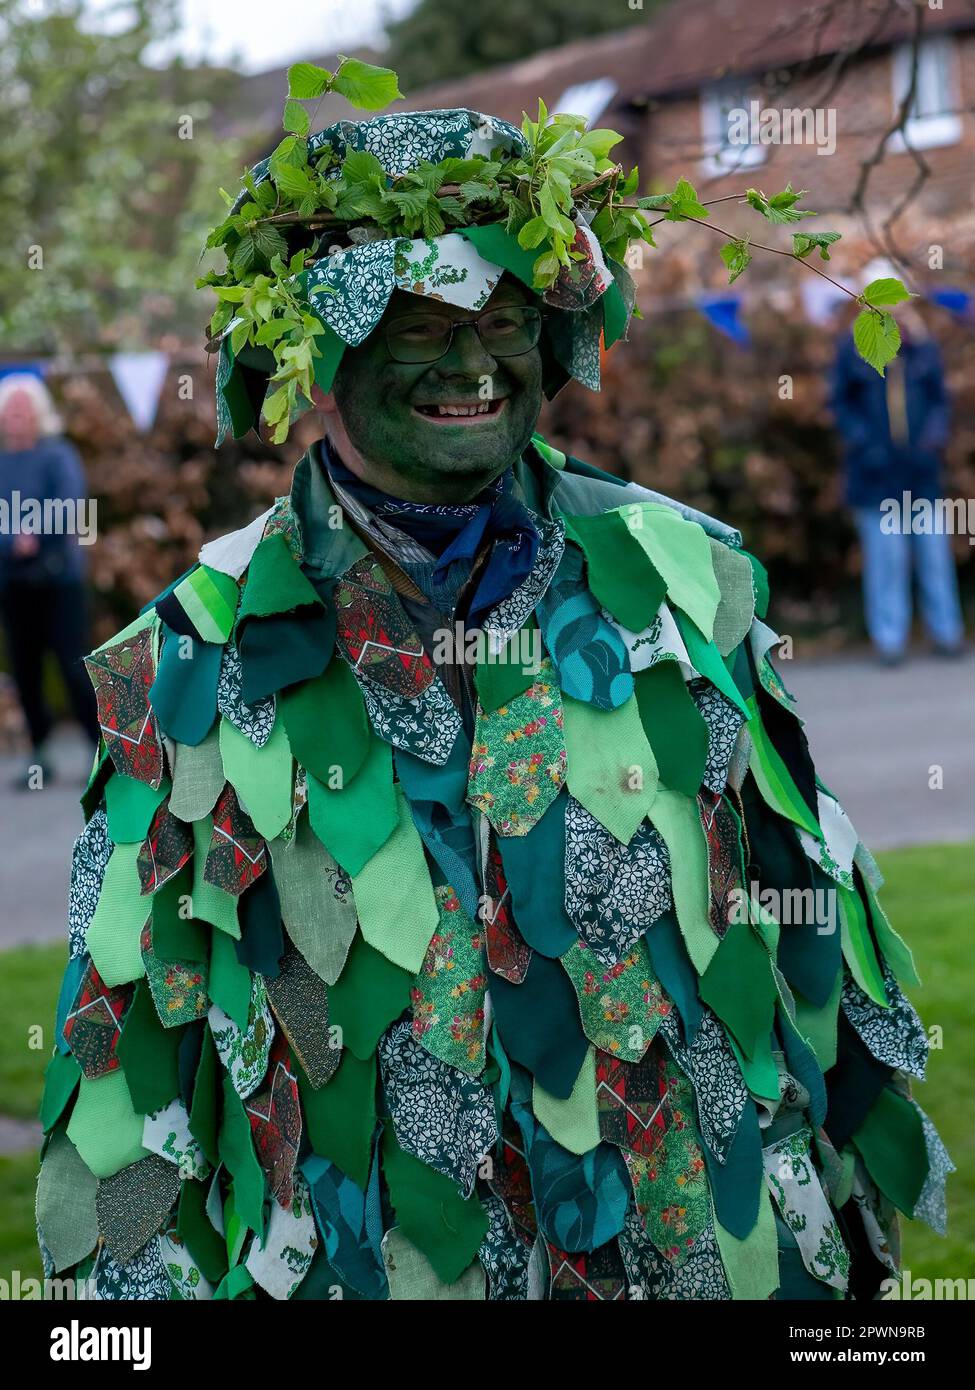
point(429, 1209)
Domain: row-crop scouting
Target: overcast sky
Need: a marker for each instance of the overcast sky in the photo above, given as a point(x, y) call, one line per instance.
point(261, 35)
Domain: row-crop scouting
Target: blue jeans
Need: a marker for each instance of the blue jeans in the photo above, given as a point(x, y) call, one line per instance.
point(889, 563)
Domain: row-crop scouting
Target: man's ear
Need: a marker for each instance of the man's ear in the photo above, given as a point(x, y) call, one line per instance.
point(324, 401)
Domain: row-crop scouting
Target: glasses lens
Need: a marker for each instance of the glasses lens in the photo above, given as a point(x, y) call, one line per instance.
point(418, 337)
point(510, 332)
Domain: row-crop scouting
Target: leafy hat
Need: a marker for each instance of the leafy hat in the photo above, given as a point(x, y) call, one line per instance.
point(437, 203)
point(441, 204)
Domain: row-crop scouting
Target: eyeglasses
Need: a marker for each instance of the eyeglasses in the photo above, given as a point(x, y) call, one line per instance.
point(506, 332)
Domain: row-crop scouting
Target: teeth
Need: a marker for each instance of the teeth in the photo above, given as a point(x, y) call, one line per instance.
point(482, 409)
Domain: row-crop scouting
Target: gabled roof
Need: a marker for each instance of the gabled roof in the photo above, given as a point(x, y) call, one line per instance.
point(685, 46)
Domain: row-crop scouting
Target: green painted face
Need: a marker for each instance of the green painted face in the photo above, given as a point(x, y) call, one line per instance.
point(397, 414)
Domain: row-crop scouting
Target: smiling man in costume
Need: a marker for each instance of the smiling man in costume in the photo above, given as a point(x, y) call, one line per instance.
point(554, 972)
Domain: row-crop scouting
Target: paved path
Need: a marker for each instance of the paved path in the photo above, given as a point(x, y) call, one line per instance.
point(874, 734)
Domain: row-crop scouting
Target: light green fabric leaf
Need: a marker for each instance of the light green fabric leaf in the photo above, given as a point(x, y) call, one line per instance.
point(122, 912)
point(105, 1127)
point(858, 950)
point(66, 1214)
point(317, 905)
point(751, 1265)
point(676, 818)
point(681, 554)
point(394, 897)
point(197, 777)
point(773, 778)
point(412, 1277)
point(263, 778)
point(607, 752)
point(573, 1122)
point(209, 600)
point(735, 611)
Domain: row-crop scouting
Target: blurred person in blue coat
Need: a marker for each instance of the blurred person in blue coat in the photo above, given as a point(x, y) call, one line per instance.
point(894, 430)
point(43, 520)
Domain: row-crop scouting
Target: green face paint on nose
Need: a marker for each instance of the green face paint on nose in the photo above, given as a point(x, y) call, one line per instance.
point(443, 428)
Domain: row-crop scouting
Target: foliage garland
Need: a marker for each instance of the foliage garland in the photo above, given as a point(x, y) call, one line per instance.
point(312, 201)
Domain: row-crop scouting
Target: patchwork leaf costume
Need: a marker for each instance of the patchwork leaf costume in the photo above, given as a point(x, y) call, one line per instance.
point(557, 976)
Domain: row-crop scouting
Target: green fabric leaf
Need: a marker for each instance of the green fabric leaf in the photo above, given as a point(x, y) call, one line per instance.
point(209, 600)
point(327, 725)
point(574, 1122)
point(176, 936)
point(891, 1143)
point(122, 912)
point(203, 1116)
point(370, 994)
point(61, 1076)
point(148, 1053)
point(431, 1212)
point(504, 677)
point(675, 727)
point(676, 818)
point(210, 903)
point(341, 1116)
point(263, 778)
point(739, 986)
point(236, 1150)
point(197, 778)
point(130, 806)
point(621, 575)
point(736, 609)
point(206, 1245)
point(317, 906)
point(896, 952)
point(411, 1275)
point(858, 948)
point(66, 1215)
point(230, 982)
point(680, 552)
point(104, 1126)
point(354, 822)
point(751, 1265)
point(707, 662)
point(773, 778)
point(610, 764)
point(394, 897)
point(274, 583)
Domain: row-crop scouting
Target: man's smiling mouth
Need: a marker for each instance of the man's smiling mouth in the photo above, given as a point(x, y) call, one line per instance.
point(461, 412)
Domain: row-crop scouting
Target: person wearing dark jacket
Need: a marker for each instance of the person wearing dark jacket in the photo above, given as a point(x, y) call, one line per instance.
point(894, 430)
point(42, 594)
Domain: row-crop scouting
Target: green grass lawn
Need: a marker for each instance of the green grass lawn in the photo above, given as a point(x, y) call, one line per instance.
point(929, 896)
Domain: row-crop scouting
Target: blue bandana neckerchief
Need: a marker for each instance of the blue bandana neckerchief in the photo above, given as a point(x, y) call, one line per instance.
point(454, 532)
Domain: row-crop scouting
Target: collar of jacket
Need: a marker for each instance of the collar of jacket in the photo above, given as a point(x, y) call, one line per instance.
point(330, 549)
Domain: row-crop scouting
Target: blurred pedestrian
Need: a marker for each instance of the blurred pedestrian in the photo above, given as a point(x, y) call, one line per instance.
point(894, 430)
point(42, 590)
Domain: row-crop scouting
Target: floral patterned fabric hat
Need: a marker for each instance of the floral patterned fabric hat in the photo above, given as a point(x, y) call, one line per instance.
point(349, 288)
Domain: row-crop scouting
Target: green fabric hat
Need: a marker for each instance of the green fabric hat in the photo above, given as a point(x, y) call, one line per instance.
point(348, 289)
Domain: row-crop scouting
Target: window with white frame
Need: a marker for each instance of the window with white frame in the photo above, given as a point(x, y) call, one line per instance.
point(934, 118)
point(729, 133)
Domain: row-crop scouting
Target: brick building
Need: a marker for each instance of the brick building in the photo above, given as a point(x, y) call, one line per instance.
point(700, 89)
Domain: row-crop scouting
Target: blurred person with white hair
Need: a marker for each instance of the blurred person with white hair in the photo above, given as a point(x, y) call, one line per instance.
point(42, 569)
